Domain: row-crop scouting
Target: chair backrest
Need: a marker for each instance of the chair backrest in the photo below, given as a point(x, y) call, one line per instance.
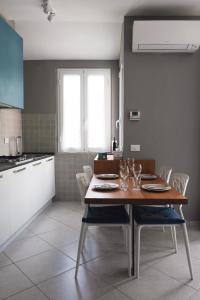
point(180, 181)
point(88, 171)
point(82, 182)
point(165, 173)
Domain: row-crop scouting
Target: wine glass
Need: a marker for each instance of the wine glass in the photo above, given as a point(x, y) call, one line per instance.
point(137, 169)
point(130, 163)
point(124, 174)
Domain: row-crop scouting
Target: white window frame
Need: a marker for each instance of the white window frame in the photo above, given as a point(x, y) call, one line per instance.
point(83, 75)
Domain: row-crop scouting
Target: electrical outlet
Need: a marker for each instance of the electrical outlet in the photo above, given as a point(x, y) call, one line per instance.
point(135, 148)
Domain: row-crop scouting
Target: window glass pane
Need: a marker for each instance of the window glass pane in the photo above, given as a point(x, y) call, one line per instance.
point(96, 122)
point(71, 112)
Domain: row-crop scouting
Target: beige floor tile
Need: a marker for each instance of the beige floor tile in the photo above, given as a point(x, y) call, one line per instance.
point(44, 224)
point(176, 266)
point(60, 237)
point(195, 296)
point(25, 248)
point(114, 295)
point(93, 248)
point(4, 260)
point(164, 275)
point(113, 267)
point(45, 265)
point(153, 285)
point(108, 234)
point(25, 234)
point(31, 294)
point(73, 220)
point(65, 287)
point(12, 281)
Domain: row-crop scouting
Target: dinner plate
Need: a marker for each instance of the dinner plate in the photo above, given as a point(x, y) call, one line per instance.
point(105, 187)
point(156, 187)
point(148, 176)
point(107, 176)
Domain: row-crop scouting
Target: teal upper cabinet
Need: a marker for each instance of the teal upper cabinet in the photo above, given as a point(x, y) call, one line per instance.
point(11, 67)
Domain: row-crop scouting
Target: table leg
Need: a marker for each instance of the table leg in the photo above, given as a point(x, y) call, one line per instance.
point(133, 240)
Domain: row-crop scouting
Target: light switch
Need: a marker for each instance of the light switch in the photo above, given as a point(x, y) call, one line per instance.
point(135, 148)
point(6, 140)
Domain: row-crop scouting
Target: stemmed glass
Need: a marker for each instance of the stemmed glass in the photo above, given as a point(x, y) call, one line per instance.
point(130, 163)
point(137, 169)
point(124, 174)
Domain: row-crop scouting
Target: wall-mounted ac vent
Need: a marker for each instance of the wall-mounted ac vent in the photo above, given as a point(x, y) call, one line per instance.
point(166, 36)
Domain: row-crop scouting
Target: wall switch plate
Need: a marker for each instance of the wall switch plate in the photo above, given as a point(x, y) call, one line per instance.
point(6, 140)
point(135, 148)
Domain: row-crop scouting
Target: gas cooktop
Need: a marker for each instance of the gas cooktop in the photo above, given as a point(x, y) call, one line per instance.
point(16, 160)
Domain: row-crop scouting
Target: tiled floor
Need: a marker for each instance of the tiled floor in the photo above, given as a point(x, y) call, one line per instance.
point(40, 263)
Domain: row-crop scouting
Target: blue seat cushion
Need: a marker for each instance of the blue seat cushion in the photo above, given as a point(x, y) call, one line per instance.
point(107, 215)
point(156, 215)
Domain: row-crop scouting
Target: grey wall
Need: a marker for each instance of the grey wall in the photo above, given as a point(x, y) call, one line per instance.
point(166, 89)
point(39, 118)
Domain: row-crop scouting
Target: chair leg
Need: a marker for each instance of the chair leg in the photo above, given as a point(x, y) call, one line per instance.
point(125, 230)
point(187, 247)
point(84, 236)
point(138, 251)
point(174, 240)
point(80, 246)
point(129, 250)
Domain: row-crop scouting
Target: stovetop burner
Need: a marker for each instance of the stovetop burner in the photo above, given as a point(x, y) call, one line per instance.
point(17, 160)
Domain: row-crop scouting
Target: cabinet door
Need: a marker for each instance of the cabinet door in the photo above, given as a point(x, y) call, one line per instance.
point(11, 66)
point(38, 185)
point(20, 195)
point(5, 229)
point(50, 177)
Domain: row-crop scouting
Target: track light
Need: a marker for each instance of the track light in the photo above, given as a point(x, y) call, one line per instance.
point(50, 16)
point(48, 10)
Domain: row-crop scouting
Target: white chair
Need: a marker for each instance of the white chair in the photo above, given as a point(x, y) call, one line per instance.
point(151, 216)
point(102, 216)
point(88, 171)
point(165, 173)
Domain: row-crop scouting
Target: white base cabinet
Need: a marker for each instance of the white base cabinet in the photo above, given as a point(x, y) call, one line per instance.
point(24, 190)
point(5, 229)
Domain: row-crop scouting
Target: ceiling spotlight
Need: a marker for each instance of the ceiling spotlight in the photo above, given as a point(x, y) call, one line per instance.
point(46, 6)
point(48, 9)
point(50, 16)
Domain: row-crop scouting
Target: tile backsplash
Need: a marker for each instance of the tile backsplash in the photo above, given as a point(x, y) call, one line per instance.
point(10, 126)
point(39, 132)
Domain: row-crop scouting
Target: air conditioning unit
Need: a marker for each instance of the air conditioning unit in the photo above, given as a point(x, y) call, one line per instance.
point(166, 36)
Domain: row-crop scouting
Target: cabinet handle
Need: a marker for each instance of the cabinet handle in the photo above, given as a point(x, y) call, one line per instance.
point(19, 170)
point(37, 164)
point(49, 159)
point(1, 176)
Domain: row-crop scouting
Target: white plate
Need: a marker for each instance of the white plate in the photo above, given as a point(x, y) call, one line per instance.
point(156, 187)
point(148, 176)
point(107, 176)
point(105, 186)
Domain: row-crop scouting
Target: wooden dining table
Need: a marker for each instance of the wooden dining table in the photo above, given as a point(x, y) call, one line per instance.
point(132, 197)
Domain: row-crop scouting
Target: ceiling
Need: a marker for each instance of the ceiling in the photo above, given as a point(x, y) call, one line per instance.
point(83, 29)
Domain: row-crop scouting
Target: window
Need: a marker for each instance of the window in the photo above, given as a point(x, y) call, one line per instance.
point(84, 110)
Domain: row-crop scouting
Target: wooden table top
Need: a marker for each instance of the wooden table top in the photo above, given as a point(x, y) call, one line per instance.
point(132, 196)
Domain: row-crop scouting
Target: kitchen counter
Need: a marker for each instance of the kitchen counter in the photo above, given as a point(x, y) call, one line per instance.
point(4, 166)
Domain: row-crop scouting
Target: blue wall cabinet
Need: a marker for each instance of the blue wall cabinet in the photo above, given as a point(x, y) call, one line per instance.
point(11, 67)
